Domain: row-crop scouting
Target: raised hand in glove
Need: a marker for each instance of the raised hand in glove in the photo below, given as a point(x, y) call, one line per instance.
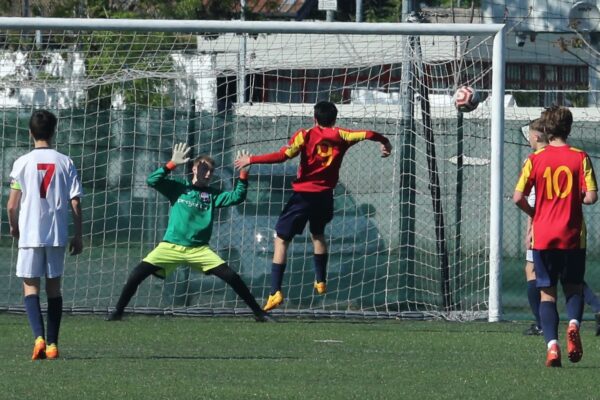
point(242, 162)
point(180, 152)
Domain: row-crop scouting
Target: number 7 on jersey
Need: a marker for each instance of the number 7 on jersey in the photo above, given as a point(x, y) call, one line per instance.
point(49, 173)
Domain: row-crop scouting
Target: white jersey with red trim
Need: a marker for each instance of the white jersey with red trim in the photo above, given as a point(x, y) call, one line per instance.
point(48, 181)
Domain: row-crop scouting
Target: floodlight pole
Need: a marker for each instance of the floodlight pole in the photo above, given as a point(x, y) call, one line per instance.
point(359, 11)
point(407, 8)
point(25, 9)
point(241, 79)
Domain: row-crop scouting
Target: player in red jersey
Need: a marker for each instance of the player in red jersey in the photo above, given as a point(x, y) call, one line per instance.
point(321, 149)
point(563, 179)
point(537, 140)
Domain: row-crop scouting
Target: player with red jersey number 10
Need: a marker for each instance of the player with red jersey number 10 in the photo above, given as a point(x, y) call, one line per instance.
point(563, 179)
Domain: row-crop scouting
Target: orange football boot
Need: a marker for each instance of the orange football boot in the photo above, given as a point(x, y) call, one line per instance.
point(39, 349)
point(274, 301)
point(553, 356)
point(574, 347)
point(52, 352)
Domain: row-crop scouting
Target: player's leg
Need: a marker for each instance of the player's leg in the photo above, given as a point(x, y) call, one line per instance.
point(230, 277)
point(31, 292)
point(204, 259)
point(142, 271)
point(55, 310)
point(547, 278)
point(159, 262)
point(572, 282)
point(55, 261)
point(292, 220)
point(590, 298)
point(279, 263)
point(321, 213)
point(320, 258)
point(549, 320)
point(30, 267)
point(533, 296)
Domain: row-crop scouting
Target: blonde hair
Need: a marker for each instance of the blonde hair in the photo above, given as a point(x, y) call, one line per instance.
point(538, 126)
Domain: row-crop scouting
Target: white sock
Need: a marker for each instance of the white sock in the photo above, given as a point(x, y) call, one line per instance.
point(550, 343)
point(574, 321)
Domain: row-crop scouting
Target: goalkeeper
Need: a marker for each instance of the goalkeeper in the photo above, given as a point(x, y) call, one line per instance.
point(189, 229)
point(321, 149)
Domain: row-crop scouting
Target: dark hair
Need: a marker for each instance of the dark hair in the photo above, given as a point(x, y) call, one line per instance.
point(42, 124)
point(204, 158)
point(325, 113)
point(557, 121)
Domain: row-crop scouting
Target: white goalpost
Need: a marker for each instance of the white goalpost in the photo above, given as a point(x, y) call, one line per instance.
point(415, 235)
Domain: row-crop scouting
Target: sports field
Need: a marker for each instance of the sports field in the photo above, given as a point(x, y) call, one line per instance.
point(147, 357)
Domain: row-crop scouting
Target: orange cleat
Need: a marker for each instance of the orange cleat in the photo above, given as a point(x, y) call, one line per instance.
point(574, 346)
point(52, 352)
point(553, 356)
point(39, 349)
point(274, 301)
point(321, 287)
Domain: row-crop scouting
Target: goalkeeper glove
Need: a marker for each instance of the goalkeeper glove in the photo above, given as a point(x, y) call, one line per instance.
point(243, 157)
point(180, 151)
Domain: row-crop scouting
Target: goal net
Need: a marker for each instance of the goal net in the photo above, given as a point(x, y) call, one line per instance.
point(411, 233)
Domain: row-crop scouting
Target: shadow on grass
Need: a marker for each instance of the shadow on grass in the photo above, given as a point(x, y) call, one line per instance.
point(203, 358)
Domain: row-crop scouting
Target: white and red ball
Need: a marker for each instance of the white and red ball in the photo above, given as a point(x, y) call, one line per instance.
point(466, 99)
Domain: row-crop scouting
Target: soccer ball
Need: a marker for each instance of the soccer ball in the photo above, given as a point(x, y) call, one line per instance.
point(466, 99)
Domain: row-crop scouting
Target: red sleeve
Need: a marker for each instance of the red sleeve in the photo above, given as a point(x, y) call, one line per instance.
point(271, 158)
point(377, 137)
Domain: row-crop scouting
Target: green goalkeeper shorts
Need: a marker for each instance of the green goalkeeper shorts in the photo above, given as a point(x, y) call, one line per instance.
point(169, 256)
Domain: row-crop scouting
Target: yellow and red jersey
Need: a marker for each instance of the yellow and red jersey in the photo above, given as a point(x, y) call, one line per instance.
point(561, 175)
point(321, 153)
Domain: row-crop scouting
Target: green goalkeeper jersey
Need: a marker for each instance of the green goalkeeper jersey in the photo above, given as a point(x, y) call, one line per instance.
point(192, 207)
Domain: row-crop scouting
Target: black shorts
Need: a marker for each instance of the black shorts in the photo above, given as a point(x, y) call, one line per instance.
point(550, 266)
point(315, 208)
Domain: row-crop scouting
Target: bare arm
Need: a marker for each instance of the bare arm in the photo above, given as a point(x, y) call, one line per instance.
point(12, 207)
point(528, 233)
point(76, 244)
point(590, 197)
point(521, 201)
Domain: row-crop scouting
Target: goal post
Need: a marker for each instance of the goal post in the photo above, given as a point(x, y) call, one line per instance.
point(419, 234)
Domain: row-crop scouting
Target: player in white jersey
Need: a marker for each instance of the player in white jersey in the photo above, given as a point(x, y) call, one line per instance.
point(44, 190)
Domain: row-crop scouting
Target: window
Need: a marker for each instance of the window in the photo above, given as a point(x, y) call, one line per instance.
point(543, 85)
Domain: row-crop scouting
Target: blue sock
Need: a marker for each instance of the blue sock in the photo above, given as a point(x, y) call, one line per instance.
point(34, 313)
point(575, 307)
point(320, 261)
point(533, 295)
point(549, 319)
point(277, 271)
point(55, 308)
point(590, 298)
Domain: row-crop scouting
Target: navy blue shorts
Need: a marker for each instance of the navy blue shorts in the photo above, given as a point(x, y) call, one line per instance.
point(552, 266)
point(314, 208)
